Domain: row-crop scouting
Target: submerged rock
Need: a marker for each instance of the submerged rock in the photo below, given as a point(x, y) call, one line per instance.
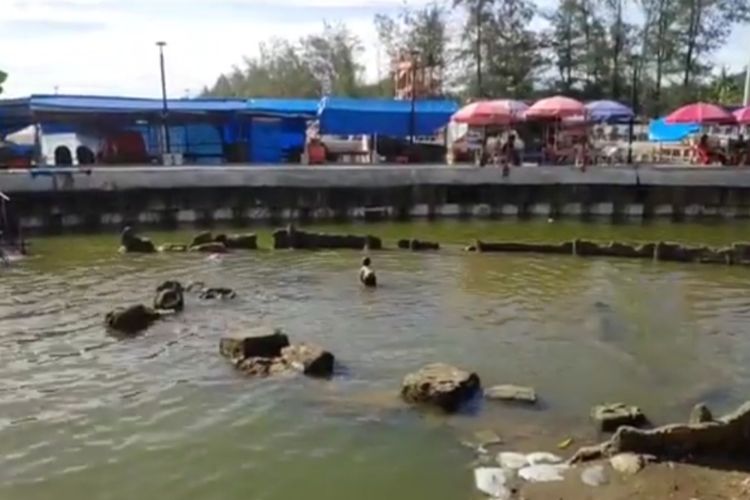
point(701, 414)
point(131, 320)
point(173, 248)
point(247, 241)
point(440, 385)
point(169, 296)
point(492, 482)
point(132, 243)
point(295, 239)
point(258, 343)
point(594, 476)
point(543, 473)
point(515, 393)
point(261, 367)
point(202, 239)
point(217, 293)
point(212, 247)
point(565, 248)
point(628, 463)
point(309, 359)
point(610, 417)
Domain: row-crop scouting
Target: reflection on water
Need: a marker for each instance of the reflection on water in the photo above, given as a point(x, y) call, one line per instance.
point(163, 416)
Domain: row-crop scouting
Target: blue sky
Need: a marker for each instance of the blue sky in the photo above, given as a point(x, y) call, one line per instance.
point(107, 46)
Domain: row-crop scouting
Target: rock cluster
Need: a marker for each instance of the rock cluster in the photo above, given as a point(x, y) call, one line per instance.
point(132, 243)
point(202, 242)
point(168, 299)
point(610, 417)
point(263, 352)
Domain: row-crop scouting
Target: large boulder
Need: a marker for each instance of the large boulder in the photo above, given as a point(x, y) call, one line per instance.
point(132, 243)
point(440, 385)
point(239, 241)
point(131, 320)
point(309, 359)
point(258, 343)
point(169, 296)
point(202, 239)
point(610, 417)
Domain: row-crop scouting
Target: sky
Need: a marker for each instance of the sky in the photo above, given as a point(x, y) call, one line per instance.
point(107, 47)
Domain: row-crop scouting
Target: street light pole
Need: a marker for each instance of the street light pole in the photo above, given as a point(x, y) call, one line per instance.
point(746, 100)
point(413, 118)
point(165, 109)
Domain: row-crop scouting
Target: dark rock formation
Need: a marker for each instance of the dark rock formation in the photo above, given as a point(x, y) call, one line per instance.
point(131, 320)
point(586, 248)
point(417, 245)
point(202, 239)
point(565, 248)
point(132, 243)
point(727, 437)
point(610, 417)
point(217, 293)
point(440, 385)
point(309, 359)
point(212, 247)
point(259, 343)
point(292, 238)
point(239, 241)
point(169, 296)
point(674, 252)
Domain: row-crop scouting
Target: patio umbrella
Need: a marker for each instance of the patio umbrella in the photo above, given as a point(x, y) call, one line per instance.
point(608, 111)
point(701, 113)
point(498, 112)
point(556, 107)
point(742, 115)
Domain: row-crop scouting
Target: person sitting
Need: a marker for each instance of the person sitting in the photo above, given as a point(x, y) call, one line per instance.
point(510, 152)
point(367, 275)
point(706, 155)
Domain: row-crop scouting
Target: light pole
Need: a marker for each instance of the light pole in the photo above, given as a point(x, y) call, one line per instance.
point(634, 107)
point(413, 118)
point(164, 109)
point(746, 99)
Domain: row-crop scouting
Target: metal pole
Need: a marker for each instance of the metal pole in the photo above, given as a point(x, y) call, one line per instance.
point(412, 123)
point(479, 48)
point(634, 106)
point(165, 110)
point(746, 100)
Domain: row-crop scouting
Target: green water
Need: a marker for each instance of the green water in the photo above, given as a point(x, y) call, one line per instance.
point(164, 416)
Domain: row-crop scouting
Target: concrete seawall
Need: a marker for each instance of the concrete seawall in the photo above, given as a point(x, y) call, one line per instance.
point(53, 199)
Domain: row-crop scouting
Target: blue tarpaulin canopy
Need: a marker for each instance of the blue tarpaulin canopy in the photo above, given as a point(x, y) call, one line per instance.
point(660, 131)
point(284, 107)
point(128, 105)
point(344, 116)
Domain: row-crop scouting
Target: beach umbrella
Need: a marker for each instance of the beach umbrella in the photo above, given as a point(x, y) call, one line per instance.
point(608, 111)
point(742, 115)
point(701, 113)
point(556, 107)
point(498, 112)
point(24, 137)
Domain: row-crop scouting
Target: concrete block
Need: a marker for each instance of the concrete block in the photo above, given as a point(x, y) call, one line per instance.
point(540, 209)
point(449, 210)
point(603, 209)
point(633, 210)
point(571, 209)
point(420, 211)
point(186, 216)
point(481, 210)
point(509, 210)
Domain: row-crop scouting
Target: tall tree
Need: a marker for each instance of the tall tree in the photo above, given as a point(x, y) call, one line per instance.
point(3, 77)
point(474, 37)
point(332, 57)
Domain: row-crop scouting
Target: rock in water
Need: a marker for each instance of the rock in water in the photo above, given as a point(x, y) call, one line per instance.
point(610, 417)
point(542, 457)
point(217, 293)
point(491, 481)
point(202, 239)
point(173, 247)
point(132, 243)
point(261, 367)
point(212, 247)
point(512, 460)
point(240, 241)
point(594, 476)
point(511, 393)
point(259, 343)
point(131, 320)
point(440, 385)
point(543, 473)
point(628, 463)
point(309, 359)
point(169, 296)
point(701, 414)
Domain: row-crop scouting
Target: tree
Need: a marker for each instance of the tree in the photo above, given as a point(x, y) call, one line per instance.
point(332, 60)
point(3, 77)
point(659, 44)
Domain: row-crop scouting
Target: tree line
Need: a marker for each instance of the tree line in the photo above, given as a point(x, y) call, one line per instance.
point(655, 53)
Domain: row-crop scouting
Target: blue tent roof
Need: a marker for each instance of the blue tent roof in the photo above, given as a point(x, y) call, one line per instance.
point(284, 107)
point(97, 104)
point(661, 131)
point(345, 116)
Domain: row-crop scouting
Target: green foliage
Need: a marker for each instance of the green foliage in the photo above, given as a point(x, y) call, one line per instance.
point(3, 77)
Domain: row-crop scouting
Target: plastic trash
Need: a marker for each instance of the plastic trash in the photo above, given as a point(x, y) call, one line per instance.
point(491, 481)
point(543, 473)
point(512, 460)
point(542, 457)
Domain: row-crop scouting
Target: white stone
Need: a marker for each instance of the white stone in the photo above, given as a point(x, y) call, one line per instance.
point(491, 481)
point(543, 473)
point(543, 457)
point(512, 460)
point(627, 463)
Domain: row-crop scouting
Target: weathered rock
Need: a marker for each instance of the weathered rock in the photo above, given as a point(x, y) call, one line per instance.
point(258, 343)
point(173, 247)
point(565, 248)
point(440, 385)
point(301, 240)
point(131, 320)
point(309, 359)
point(628, 463)
point(610, 417)
point(169, 296)
point(740, 253)
point(217, 293)
point(202, 239)
point(132, 243)
point(213, 247)
point(701, 414)
point(511, 393)
point(417, 245)
point(239, 241)
point(261, 367)
point(594, 476)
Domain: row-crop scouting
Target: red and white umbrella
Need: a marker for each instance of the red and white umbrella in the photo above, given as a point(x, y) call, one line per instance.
point(554, 108)
point(499, 112)
point(742, 115)
point(701, 113)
